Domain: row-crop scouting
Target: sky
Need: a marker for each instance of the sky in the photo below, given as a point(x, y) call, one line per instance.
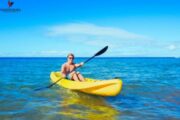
point(131, 28)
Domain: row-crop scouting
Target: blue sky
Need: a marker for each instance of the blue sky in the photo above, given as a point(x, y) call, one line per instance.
point(54, 28)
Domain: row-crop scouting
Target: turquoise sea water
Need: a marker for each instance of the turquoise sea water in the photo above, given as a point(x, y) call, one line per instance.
point(151, 90)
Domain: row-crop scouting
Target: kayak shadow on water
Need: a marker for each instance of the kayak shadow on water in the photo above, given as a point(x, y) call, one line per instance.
point(79, 105)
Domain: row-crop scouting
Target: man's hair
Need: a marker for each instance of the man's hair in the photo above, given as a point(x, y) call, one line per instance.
point(70, 54)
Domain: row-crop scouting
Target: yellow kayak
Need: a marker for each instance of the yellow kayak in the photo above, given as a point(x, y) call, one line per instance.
point(91, 86)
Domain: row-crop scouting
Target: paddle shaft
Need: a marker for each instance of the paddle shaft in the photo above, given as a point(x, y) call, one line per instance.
point(89, 59)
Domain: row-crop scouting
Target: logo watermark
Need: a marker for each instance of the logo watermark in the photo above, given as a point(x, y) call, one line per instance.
point(10, 9)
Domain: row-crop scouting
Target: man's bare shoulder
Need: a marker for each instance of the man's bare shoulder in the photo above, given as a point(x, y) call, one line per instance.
point(64, 65)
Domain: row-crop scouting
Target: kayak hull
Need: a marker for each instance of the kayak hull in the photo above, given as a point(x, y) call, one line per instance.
point(91, 86)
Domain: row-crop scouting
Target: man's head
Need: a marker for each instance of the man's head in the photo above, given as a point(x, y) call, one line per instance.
point(70, 57)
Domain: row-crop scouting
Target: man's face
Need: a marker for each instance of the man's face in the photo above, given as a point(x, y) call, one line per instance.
point(70, 58)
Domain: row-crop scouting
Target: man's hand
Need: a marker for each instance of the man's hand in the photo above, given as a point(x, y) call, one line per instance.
point(79, 64)
point(82, 63)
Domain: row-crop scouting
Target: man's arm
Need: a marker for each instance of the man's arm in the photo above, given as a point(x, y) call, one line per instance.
point(63, 73)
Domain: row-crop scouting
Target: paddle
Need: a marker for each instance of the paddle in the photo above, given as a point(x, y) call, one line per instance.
point(97, 54)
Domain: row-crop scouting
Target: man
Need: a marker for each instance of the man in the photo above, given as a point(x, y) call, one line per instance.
point(68, 69)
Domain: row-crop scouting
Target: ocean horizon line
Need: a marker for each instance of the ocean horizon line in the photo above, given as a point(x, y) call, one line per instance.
point(89, 57)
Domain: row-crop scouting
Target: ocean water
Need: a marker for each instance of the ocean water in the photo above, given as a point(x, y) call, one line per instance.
point(151, 90)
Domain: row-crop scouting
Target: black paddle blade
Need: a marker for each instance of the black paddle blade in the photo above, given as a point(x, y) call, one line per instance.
point(43, 88)
point(97, 54)
point(39, 89)
point(101, 51)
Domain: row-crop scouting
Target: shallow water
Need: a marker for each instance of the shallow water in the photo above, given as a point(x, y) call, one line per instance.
point(151, 90)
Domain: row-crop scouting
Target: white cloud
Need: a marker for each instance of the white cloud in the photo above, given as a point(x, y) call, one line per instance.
point(172, 47)
point(52, 53)
point(92, 30)
point(45, 53)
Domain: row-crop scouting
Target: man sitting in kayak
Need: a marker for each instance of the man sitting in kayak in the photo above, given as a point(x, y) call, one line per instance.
point(68, 69)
